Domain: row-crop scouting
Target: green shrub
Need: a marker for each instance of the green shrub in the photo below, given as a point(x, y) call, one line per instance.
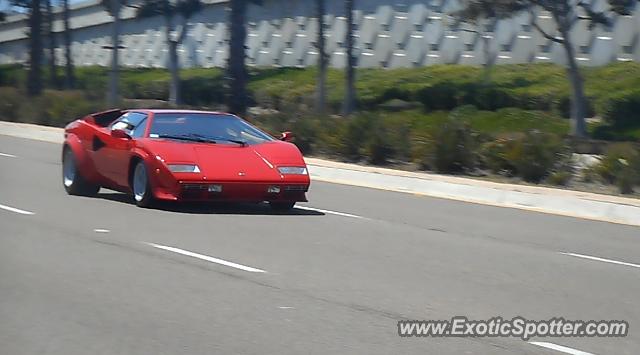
point(10, 101)
point(560, 178)
point(621, 166)
point(12, 75)
point(34, 110)
point(353, 136)
point(146, 90)
point(492, 98)
point(93, 81)
point(441, 96)
point(495, 156)
point(53, 108)
point(63, 107)
point(455, 150)
point(590, 174)
point(535, 154)
point(305, 131)
point(378, 146)
point(622, 109)
point(563, 106)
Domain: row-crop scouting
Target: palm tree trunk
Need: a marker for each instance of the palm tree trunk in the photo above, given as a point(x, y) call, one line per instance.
point(321, 91)
point(489, 59)
point(237, 70)
point(579, 101)
point(34, 82)
point(173, 61)
point(53, 75)
point(174, 89)
point(350, 90)
point(69, 74)
point(115, 41)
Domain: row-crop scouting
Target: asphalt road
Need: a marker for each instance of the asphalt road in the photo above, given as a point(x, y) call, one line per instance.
point(97, 275)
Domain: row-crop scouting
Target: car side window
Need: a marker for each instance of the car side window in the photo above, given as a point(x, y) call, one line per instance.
point(138, 132)
point(131, 122)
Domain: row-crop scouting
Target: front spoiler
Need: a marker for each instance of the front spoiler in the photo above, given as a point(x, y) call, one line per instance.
point(233, 192)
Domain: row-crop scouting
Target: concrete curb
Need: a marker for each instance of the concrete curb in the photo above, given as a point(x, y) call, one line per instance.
point(584, 205)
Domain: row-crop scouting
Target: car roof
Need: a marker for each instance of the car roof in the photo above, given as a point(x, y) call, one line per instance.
point(182, 111)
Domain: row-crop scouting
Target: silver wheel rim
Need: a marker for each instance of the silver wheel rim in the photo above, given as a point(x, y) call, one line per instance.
point(140, 182)
point(68, 168)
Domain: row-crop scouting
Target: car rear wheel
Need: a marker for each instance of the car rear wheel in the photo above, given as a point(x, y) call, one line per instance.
point(282, 206)
point(72, 180)
point(140, 185)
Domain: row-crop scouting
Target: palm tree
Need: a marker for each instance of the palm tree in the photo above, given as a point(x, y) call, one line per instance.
point(321, 91)
point(34, 76)
point(114, 7)
point(69, 73)
point(169, 9)
point(566, 14)
point(53, 75)
point(350, 90)
point(236, 67)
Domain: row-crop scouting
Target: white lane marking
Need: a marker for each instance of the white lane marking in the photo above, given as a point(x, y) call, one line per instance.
point(286, 307)
point(101, 230)
point(342, 214)
point(7, 155)
point(16, 210)
point(560, 348)
point(595, 258)
point(205, 257)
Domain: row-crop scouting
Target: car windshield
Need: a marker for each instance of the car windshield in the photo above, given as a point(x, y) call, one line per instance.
point(206, 127)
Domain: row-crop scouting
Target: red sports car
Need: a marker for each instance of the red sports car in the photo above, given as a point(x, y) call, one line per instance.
point(181, 156)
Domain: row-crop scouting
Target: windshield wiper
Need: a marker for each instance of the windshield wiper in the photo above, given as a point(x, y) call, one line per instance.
point(236, 141)
point(193, 137)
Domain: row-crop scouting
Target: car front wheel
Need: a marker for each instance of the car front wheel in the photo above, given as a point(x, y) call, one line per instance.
point(140, 185)
point(72, 180)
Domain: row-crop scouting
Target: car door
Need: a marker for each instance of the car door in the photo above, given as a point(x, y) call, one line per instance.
point(112, 154)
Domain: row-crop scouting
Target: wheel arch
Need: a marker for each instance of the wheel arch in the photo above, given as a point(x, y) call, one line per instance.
point(85, 164)
point(137, 156)
point(135, 159)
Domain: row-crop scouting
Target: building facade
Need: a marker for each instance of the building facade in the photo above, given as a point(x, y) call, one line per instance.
point(389, 33)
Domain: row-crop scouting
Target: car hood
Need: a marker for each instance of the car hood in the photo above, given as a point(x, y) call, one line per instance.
point(230, 162)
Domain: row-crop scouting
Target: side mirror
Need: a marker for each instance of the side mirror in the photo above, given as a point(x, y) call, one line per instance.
point(286, 137)
point(119, 133)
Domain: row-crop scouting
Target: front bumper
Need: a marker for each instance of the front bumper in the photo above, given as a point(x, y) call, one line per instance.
point(234, 191)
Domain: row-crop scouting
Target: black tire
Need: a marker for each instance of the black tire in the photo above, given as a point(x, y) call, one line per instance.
point(282, 206)
point(141, 188)
point(72, 180)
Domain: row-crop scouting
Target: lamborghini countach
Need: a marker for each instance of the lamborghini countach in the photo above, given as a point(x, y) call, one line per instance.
point(179, 155)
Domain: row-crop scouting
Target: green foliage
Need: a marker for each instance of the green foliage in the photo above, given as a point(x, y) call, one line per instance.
point(532, 155)
point(53, 108)
point(92, 80)
point(456, 145)
point(535, 154)
point(559, 178)
point(622, 108)
point(62, 107)
point(621, 166)
point(10, 102)
point(353, 136)
point(495, 156)
point(12, 75)
point(540, 89)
